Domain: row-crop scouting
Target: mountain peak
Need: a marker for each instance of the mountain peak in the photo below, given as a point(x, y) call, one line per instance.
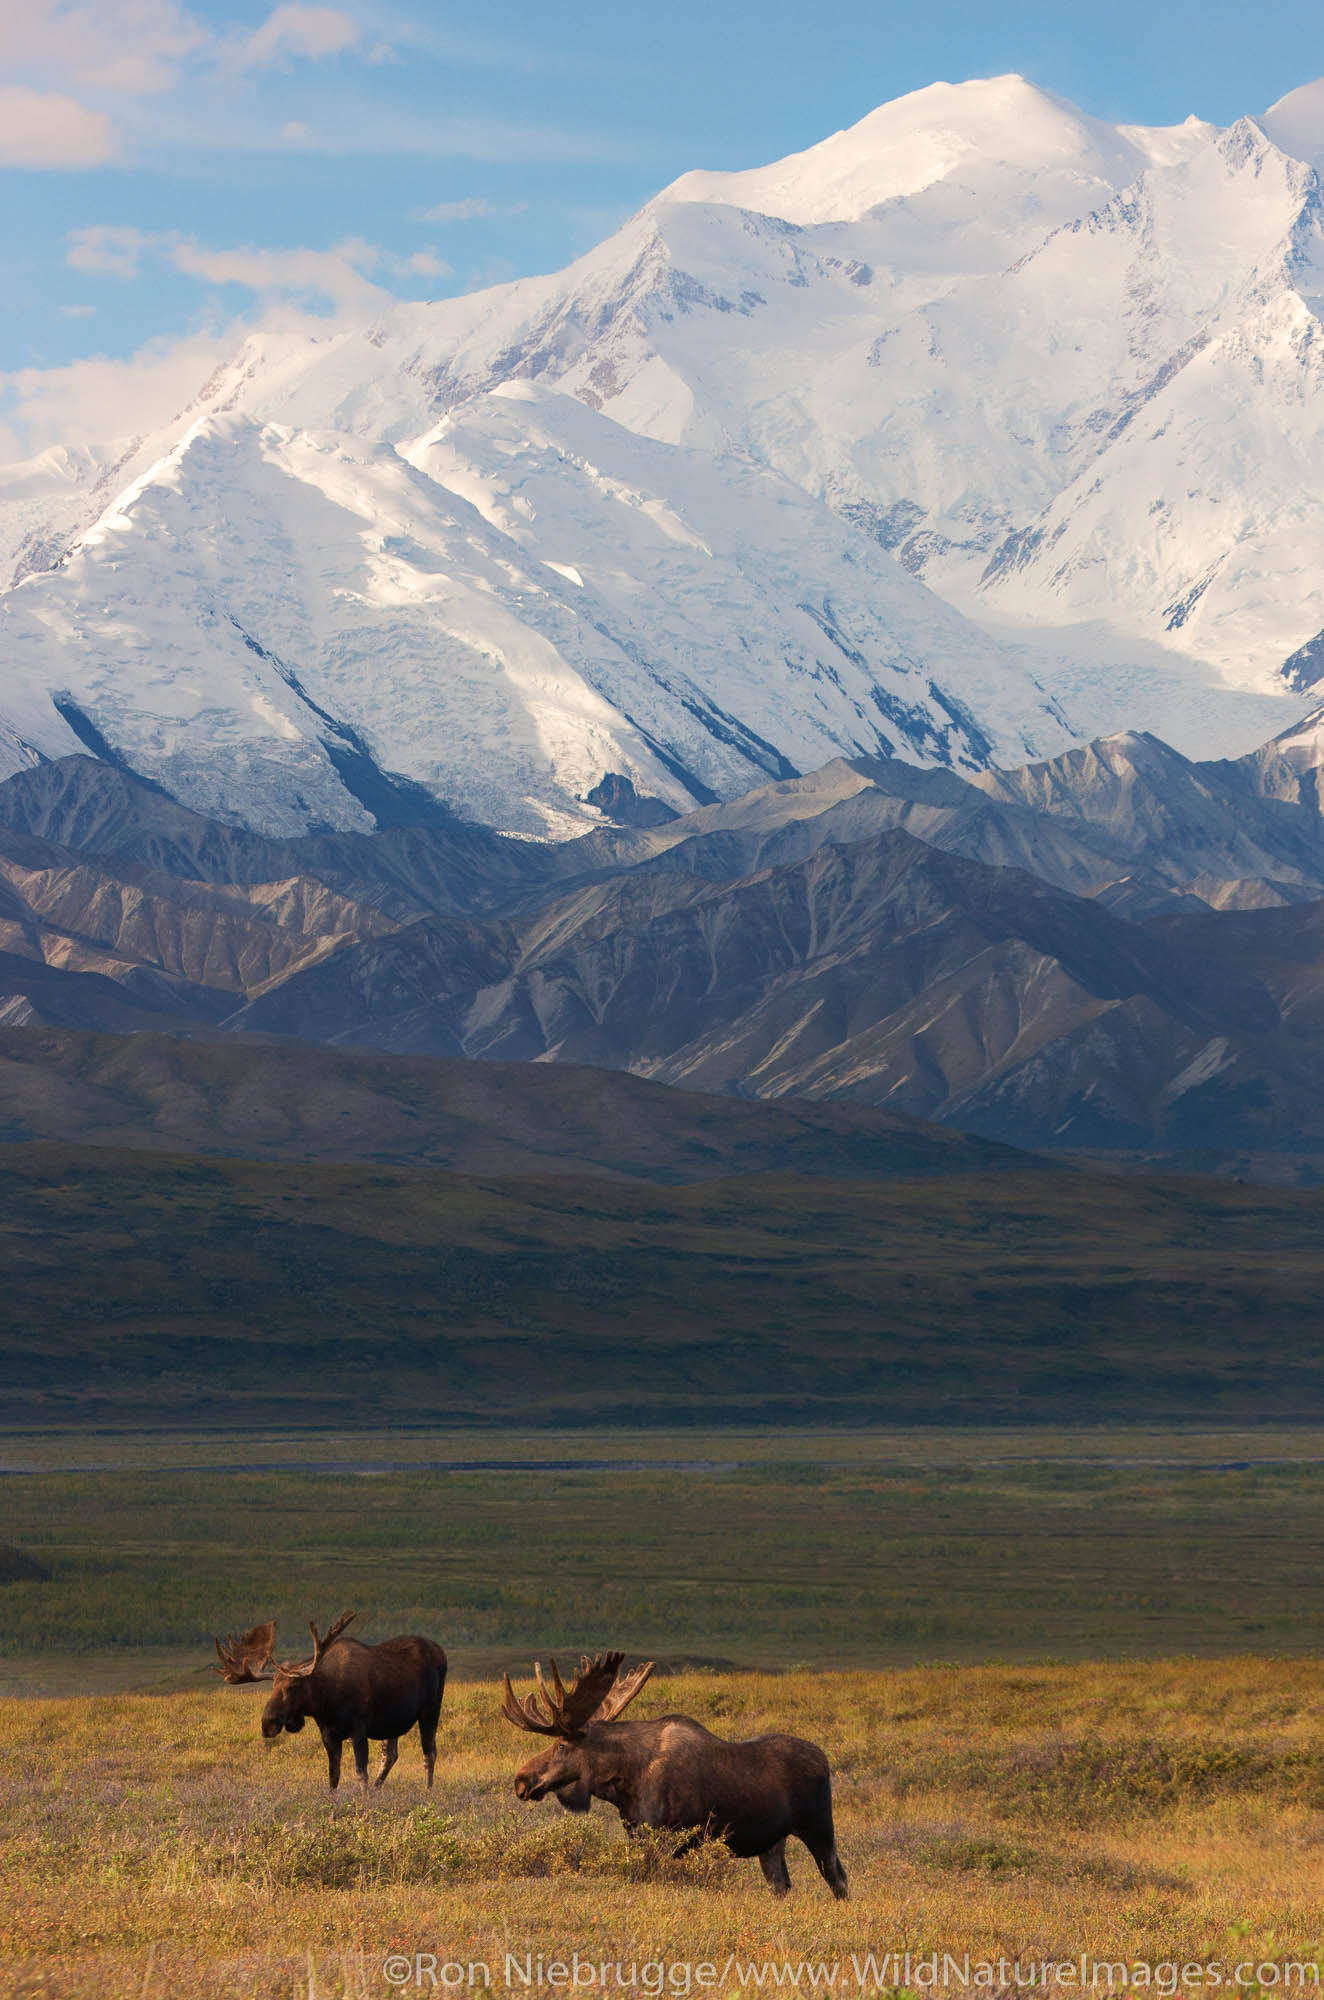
point(1296, 122)
point(988, 126)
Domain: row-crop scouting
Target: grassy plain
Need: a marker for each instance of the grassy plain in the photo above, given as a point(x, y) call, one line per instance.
point(1169, 1812)
point(750, 1550)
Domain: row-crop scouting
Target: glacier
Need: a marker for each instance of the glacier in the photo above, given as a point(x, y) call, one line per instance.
point(976, 430)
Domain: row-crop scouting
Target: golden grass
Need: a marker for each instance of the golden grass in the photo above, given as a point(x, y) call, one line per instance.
point(1173, 1811)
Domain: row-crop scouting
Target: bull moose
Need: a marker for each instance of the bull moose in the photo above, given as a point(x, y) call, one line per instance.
point(352, 1691)
point(675, 1775)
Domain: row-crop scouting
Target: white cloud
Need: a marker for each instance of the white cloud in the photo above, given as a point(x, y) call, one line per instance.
point(494, 271)
point(377, 129)
point(129, 46)
point(109, 249)
point(45, 129)
point(72, 65)
point(77, 312)
point(423, 264)
point(98, 401)
point(458, 49)
point(336, 274)
point(469, 210)
point(295, 30)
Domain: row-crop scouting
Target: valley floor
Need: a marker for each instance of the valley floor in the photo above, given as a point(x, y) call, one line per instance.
point(1166, 1814)
point(741, 1549)
point(1029, 1654)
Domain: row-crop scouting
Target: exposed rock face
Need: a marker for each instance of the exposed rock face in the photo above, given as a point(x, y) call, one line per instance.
point(616, 798)
point(1116, 949)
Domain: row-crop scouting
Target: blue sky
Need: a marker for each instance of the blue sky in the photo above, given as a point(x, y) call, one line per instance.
point(170, 171)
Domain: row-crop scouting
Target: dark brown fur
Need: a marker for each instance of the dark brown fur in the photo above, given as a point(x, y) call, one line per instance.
point(675, 1775)
point(359, 1693)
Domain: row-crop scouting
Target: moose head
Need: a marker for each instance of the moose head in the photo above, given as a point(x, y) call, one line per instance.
point(574, 1771)
point(249, 1657)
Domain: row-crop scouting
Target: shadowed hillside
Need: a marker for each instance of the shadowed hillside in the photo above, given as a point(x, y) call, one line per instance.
point(275, 1101)
point(158, 1289)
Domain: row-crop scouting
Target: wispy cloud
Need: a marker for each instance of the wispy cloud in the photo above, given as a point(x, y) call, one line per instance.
point(295, 32)
point(422, 264)
point(116, 52)
point(109, 250)
point(338, 277)
point(95, 81)
point(469, 210)
point(367, 128)
point(99, 400)
point(458, 48)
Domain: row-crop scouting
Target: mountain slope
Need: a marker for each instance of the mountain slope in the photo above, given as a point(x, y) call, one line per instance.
point(251, 1293)
point(1126, 818)
point(283, 626)
point(886, 971)
point(1118, 949)
point(162, 1094)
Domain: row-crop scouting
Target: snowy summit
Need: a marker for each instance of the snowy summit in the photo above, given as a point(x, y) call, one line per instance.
point(980, 428)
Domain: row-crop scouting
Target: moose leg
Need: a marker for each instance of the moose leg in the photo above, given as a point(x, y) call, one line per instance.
point(427, 1736)
point(361, 1759)
point(775, 1872)
point(333, 1746)
point(825, 1854)
point(389, 1754)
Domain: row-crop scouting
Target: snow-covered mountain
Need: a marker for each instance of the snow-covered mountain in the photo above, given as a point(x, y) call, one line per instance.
point(506, 608)
point(979, 428)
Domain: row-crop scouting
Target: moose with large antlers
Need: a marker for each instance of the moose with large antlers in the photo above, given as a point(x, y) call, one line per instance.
point(353, 1692)
point(675, 1775)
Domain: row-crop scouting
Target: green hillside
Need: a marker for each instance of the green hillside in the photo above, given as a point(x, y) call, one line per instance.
point(149, 1289)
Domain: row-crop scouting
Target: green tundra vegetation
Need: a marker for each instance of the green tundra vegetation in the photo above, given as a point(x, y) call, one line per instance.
point(735, 1550)
point(148, 1288)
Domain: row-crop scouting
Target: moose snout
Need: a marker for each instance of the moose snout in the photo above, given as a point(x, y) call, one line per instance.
point(271, 1727)
point(523, 1786)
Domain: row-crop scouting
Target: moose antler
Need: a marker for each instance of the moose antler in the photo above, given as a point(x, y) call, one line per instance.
point(623, 1693)
point(245, 1656)
point(598, 1694)
point(299, 1670)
